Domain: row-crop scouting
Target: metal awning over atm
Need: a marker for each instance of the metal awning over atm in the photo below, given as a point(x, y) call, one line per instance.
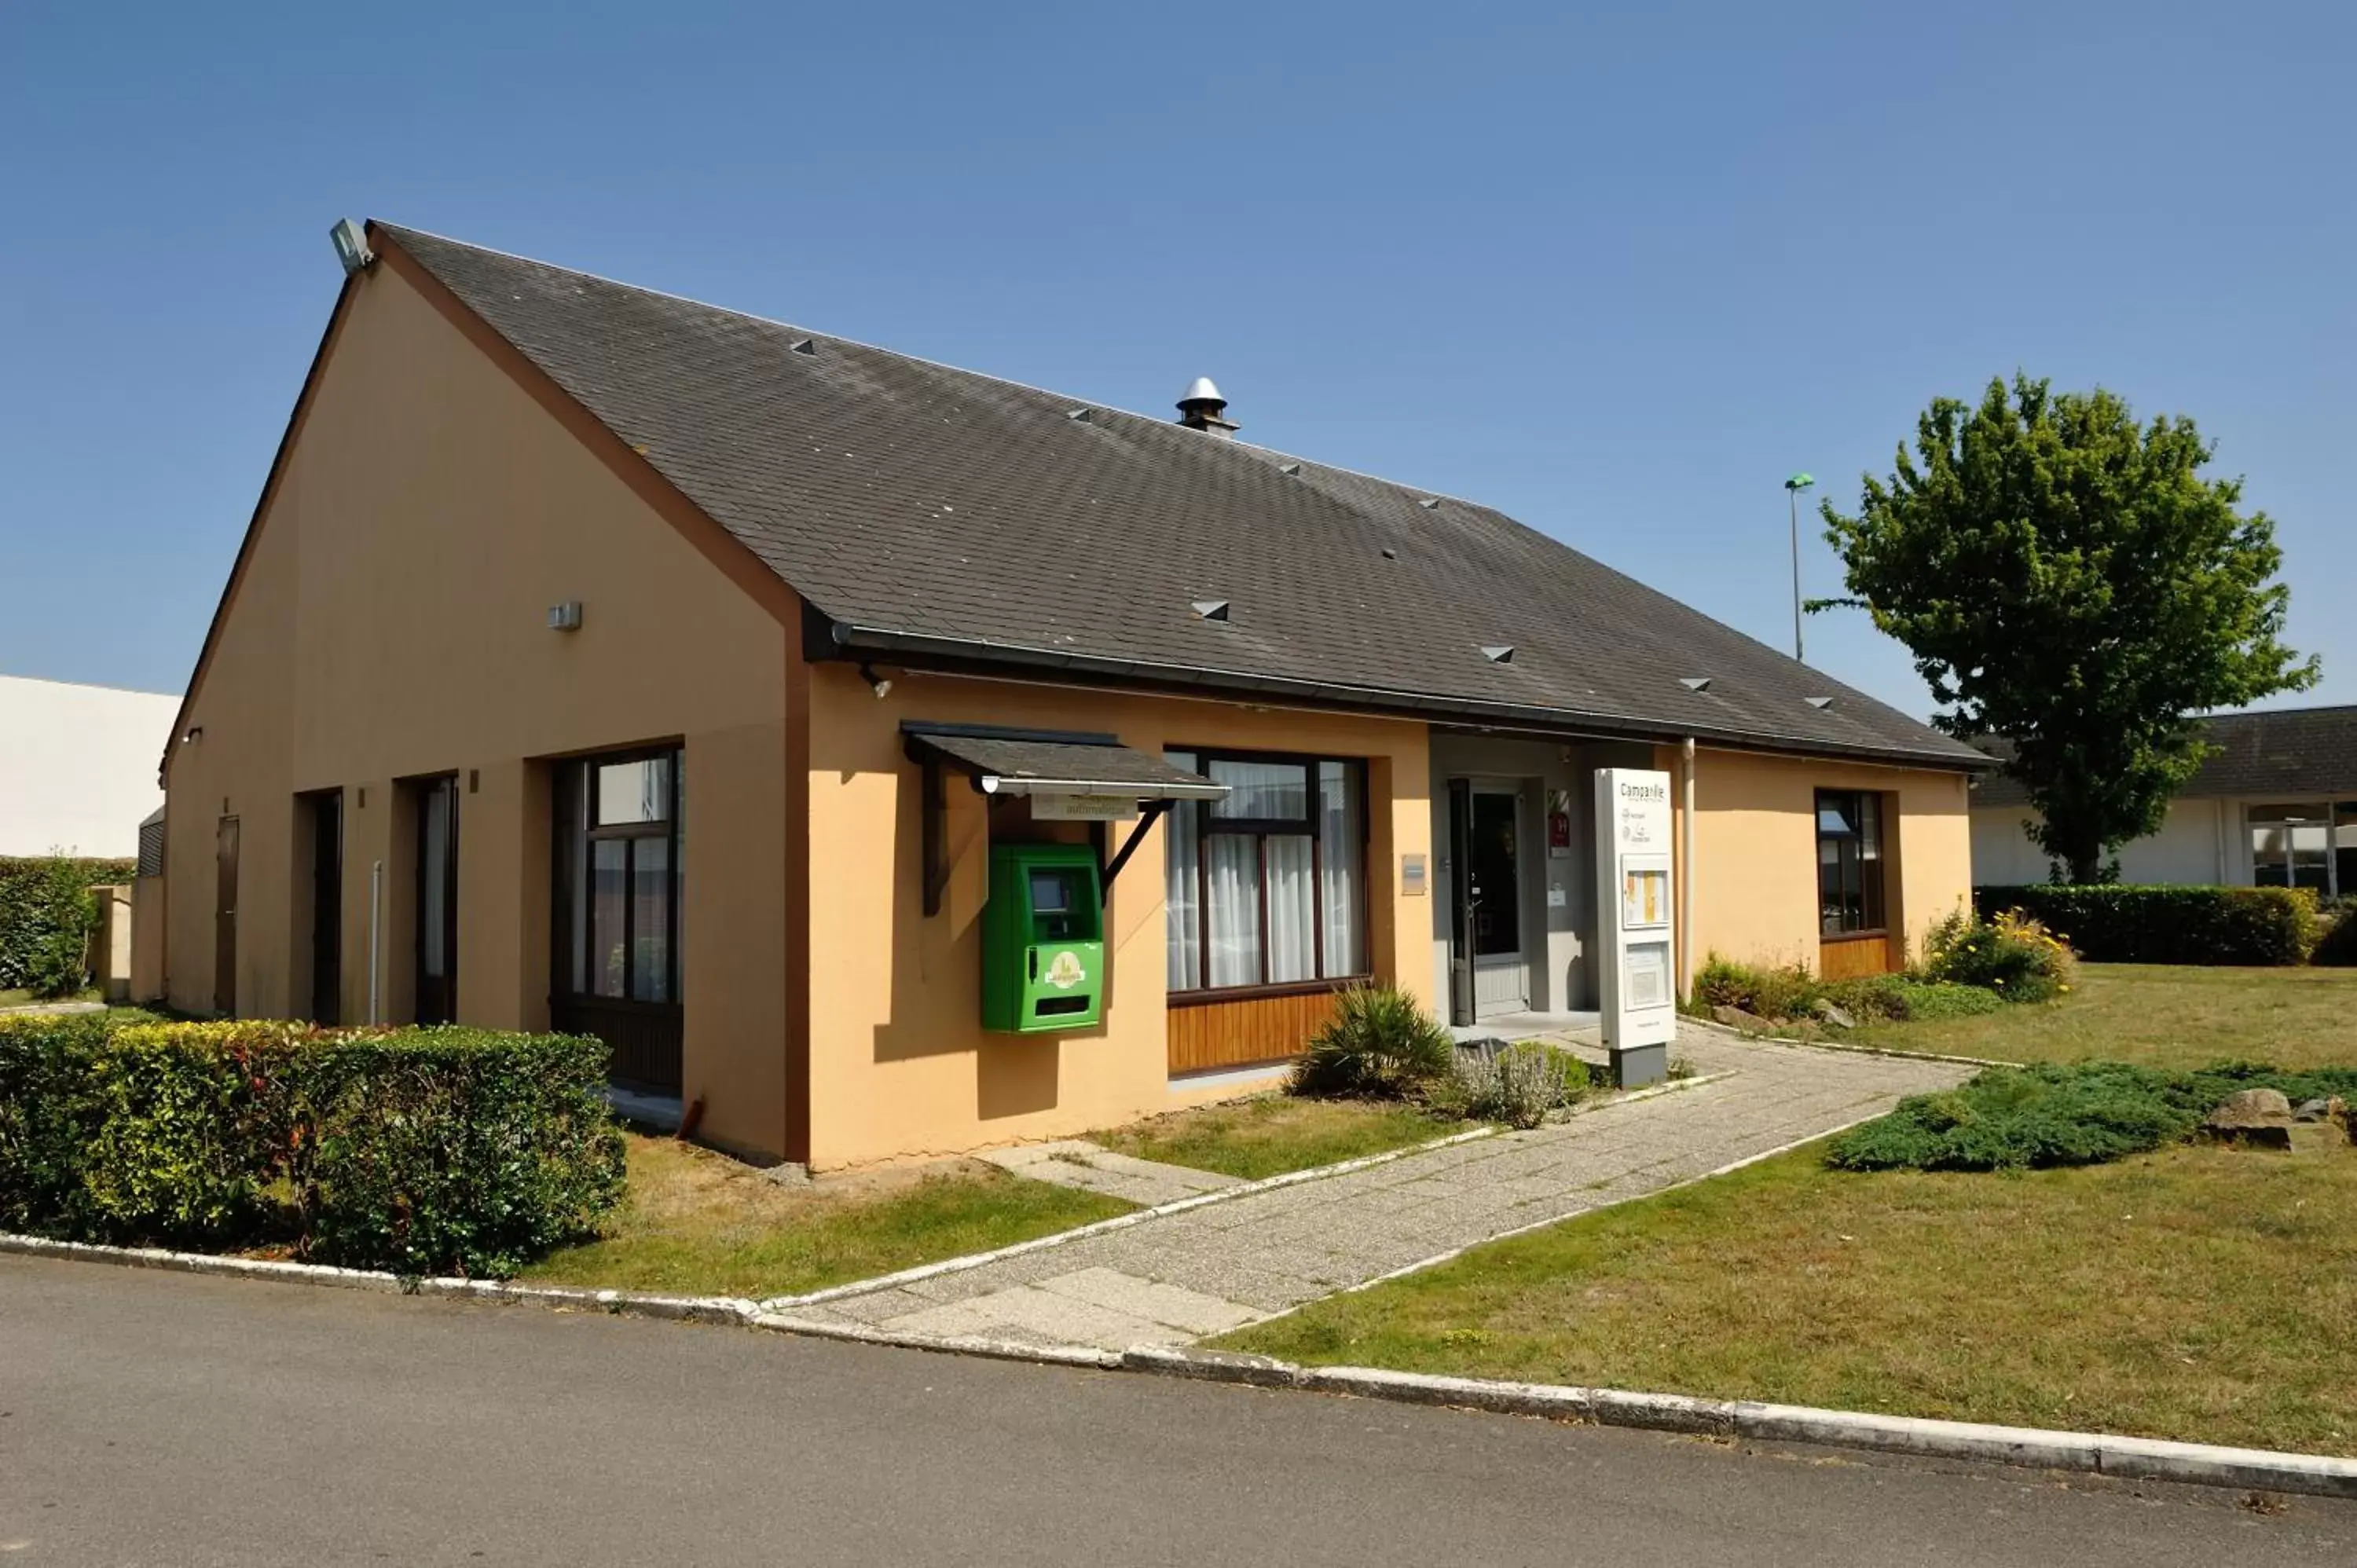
point(1056, 762)
point(1064, 766)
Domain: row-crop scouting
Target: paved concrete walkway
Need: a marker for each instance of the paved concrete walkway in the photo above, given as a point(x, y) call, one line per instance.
point(1076, 1162)
point(1216, 1266)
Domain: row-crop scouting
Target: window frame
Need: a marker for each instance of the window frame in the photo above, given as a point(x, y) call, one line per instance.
point(1874, 894)
point(1260, 830)
point(575, 883)
point(2329, 816)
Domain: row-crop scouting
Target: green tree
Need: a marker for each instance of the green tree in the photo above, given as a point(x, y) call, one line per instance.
point(2069, 581)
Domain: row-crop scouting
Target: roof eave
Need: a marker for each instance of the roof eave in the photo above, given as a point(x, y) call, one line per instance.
point(845, 641)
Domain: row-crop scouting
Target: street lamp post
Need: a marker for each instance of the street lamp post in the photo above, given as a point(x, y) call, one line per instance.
point(1793, 488)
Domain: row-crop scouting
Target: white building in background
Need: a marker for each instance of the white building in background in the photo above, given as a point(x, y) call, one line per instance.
point(78, 766)
point(2275, 807)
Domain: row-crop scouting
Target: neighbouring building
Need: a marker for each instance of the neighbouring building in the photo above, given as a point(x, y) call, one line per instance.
point(746, 696)
point(78, 766)
point(2274, 806)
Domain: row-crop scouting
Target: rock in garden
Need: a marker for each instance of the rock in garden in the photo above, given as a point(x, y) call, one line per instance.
point(1737, 1018)
point(2317, 1109)
point(2257, 1116)
point(1833, 1013)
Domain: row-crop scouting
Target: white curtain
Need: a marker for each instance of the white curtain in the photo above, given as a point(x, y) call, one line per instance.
point(1292, 908)
point(1182, 846)
point(1261, 790)
point(1342, 836)
point(1233, 863)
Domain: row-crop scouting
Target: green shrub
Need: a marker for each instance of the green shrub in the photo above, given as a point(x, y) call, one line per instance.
point(1787, 991)
point(1904, 999)
point(1380, 1045)
point(2075, 1114)
point(2130, 924)
point(2012, 955)
point(420, 1150)
point(2337, 945)
point(46, 914)
point(1519, 1084)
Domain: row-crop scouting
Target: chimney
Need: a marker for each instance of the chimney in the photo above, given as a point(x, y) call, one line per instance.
point(1203, 408)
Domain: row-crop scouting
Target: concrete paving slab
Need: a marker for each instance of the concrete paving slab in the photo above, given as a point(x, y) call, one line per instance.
point(1170, 1304)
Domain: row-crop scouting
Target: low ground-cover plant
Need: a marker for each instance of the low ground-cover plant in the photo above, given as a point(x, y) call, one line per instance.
point(2337, 945)
point(1788, 992)
point(446, 1150)
point(2013, 954)
point(2124, 923)
point(1380, 1045)
point(2077, 1114)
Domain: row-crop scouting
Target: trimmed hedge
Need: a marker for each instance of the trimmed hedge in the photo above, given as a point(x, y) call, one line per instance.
point(2337, 945)
point(420, 1150)
point(2080, 1113)
point(2130, 924)
point(46, 912)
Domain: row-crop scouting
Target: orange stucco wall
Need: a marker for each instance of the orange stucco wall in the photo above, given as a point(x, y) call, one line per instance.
point(899, 1064)
point(392, 622)
point(1755, 850)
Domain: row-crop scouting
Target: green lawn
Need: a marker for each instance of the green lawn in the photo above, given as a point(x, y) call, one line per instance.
point(2158, 1016)
point(1271, 1133)
point(699, 1223)
point(2202, 1293)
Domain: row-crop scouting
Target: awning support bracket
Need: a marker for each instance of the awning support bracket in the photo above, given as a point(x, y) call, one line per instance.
point(1150, 813)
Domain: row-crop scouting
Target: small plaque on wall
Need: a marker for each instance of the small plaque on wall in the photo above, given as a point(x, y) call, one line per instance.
point(1412, 875)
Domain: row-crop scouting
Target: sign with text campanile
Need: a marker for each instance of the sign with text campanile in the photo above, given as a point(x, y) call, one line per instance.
point(1635, 921)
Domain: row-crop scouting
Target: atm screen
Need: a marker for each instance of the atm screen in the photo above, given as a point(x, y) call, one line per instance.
point(1055, 905)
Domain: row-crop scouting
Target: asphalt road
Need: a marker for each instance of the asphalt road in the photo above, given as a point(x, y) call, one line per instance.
point(149, 1418)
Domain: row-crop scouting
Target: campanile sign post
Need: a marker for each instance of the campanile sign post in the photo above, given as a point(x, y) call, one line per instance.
point(1634, 922)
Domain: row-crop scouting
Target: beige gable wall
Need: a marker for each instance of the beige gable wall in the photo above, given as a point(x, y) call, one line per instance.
point(1755, 851)
point(390, 622)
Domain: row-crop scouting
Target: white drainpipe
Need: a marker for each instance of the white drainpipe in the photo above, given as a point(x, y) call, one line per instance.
point(1686, 872)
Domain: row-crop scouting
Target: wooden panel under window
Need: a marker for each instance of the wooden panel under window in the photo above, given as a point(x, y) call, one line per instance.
point(1850, 957)
point(1265, 1027)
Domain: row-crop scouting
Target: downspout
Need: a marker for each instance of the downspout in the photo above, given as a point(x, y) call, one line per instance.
point(376, 969)
point(1685, 871)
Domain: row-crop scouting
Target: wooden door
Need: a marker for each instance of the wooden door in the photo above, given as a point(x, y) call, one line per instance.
point(225, 919)
point(437, 901)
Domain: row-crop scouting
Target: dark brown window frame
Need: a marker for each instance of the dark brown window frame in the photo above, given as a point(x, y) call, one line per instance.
point(1874, 893)
point(582, 769)
point(1262, 828)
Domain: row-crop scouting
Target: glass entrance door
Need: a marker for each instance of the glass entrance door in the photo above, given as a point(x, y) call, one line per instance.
point(1501, 981)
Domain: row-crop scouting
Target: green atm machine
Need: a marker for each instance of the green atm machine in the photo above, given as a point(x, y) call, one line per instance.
point(1043, 939)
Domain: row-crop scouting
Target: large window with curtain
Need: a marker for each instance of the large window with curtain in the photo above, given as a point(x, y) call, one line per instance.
point(1267, 884)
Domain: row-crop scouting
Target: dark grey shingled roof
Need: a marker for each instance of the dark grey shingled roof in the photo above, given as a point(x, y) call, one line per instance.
point(929, 511)
point(2290, 753)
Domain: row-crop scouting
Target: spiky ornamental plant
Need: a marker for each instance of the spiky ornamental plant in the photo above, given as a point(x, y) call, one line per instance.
point(2068, 580)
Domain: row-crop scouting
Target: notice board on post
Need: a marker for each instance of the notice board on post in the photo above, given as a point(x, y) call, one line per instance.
point(1636, 920)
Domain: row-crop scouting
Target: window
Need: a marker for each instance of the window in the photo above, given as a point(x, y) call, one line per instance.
point(1849, 861)
point(1267, 886)
point(2292, 845)
point(2344, 848)
point(618, 877)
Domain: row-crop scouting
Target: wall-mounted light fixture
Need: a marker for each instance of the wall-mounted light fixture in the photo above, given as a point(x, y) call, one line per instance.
point(351, 246)
point(196, 733)
point(565, 616)
point(876, 683)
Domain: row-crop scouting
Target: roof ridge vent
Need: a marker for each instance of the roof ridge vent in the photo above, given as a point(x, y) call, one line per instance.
point(1082, 415)
point(1695, 683)
point(1499, 652)
point(1289, 468)
point(805, 346)
point(1819, 703)
point(1430, 503)
point(1210, 609)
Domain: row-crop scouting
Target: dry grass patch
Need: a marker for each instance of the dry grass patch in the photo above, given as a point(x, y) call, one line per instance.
point(2158, 1016)
point(1270, 1134)
point(695, 1222)
point(2200, 1293)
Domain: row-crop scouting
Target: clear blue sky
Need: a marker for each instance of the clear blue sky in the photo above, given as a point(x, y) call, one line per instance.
point(1618, 275)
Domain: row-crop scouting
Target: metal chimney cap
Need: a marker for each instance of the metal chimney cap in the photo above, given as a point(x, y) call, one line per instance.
point(1200, 389)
